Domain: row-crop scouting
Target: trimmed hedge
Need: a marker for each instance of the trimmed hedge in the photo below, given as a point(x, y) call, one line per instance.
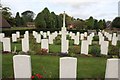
point(8, 32)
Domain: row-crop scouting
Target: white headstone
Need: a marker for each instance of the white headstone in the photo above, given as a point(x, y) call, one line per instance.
point(65, 46)
point(112, 69)
point(89, 38)
point(85, 34)
point(44, 35)
point(118, 37)
point(68, 68)
point(73, 36)
point(114, 39)
point(6, 44)
point(101, 39)
point(2, 35)
point(104, 47)
point(76, 40)
point(25, 44)
point(41, 32)
point(18, 34)
point(38, 38)
point(110, 37)
point(44, 44)
point(48, 33)
point(14, 38)
point(51, 39)
point(84, 47)
point(22, 67)
point(82, 37)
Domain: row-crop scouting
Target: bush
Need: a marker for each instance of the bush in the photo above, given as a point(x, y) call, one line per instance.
point(118, 44)
point(96, 38)
point(57, 40)
point(113, 50)
point(94, 50)
point(41, 51)
point(74, 50)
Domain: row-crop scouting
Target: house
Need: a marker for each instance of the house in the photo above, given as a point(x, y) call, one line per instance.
point(30, 24)
point(4, 23)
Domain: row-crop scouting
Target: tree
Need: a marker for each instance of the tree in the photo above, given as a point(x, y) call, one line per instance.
point(100, 24)
point(54, 20)
point(7, 15)
point(28, 16)
point(96, 24)
point(116, 22)
point(104, 23)
point(59, 21)
point(47, 17)
point(18, 20)
point(90, 23)
point(79, 24)
point(40, 21)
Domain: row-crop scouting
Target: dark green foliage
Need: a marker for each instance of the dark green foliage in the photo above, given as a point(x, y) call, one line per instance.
point(74, 50)
point(113, 50)
point(27, 16)
point(18, 20)
point(57, 40)
point(96, 38)
point(116, 22)
point(101, 24)
point(54, 20)
point(59, 21)
point(94, 50)
point(96, 24)
point(40, 21)
point(7, 15)
point(90, 23)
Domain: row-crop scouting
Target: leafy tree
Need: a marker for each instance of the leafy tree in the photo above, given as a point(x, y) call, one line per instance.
point(96, 24)
point(90, 23)
point(116, 22)
point(27, 16)
point(79, 24)
point(7, 15)
point(59, 21)
point(54, 20)
point(47, 17)
point(100, 24)
point(18, 20)
point(104, 23)
point(40, 21)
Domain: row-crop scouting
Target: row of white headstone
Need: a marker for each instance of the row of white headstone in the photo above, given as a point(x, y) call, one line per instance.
point(114, 38)
point(67, 68)
point(64, 42)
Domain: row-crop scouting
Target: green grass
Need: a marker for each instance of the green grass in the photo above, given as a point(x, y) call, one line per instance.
point(87, 67)
point(54, 48)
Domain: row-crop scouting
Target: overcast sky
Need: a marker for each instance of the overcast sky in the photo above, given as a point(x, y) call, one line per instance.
point(99, 9)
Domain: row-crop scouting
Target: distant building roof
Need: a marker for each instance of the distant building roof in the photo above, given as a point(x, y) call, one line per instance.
point(4, 23)
point(30, 24)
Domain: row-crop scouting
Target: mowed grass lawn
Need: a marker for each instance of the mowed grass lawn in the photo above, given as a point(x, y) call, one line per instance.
point(48, 66)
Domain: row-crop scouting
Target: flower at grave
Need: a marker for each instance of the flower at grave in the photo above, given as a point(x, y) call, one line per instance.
point(33, 77)
point(44, 51)
point(36, 77)
point(39, 76)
